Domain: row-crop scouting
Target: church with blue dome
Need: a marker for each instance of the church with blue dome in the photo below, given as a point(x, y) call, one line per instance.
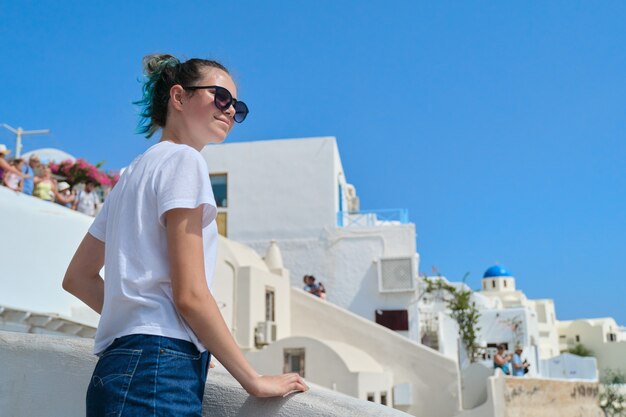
point(497, 278)
point(497, 271)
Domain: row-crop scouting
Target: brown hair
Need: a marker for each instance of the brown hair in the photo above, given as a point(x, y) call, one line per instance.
point(163, 71)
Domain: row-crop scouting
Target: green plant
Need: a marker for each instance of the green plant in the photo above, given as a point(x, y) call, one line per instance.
point(580, 350)
point(613, 377)
point(462, 309)
point(612, 397)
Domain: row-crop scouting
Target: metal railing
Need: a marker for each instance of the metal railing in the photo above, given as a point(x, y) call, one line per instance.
point(372, 217)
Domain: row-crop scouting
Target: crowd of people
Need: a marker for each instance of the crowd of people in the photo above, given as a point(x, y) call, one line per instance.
point(34, 178)
point(510, 363)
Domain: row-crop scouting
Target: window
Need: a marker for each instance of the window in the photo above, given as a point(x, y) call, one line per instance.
point(370, 396)
point(577, 338)
point(393, 319)
point(505, 283)
point(222, 220)
point(269, 304)
point(612, 337)
point(383, 398)
point(219, 184)
point(493, 283)
point(294, 360)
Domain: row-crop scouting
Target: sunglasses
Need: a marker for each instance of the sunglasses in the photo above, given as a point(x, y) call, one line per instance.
point(223, 100)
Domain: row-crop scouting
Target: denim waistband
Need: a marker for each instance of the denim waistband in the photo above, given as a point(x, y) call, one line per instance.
point(147, 341)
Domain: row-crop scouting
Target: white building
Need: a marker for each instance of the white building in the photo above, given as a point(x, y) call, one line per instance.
point(280, 328)
point(296, 192)
point(533, 325)
point(506, 316)
point(603, 337)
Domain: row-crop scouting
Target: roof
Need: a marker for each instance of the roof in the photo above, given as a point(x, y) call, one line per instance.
point(496, 271)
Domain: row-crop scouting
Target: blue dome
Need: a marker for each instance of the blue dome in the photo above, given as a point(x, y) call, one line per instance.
point(497, 271)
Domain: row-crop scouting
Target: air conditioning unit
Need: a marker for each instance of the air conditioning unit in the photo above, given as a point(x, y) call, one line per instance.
point(265, 333)
point(397, 274)
point(403, 394)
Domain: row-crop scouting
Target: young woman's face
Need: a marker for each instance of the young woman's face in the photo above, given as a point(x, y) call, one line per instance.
point(204, 120)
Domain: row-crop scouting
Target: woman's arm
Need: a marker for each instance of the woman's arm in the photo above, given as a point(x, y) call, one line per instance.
point(500, 359)
point(196, 304)
point(82, 277)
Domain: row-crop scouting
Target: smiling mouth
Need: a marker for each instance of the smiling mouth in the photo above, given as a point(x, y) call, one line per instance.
point(223, 121)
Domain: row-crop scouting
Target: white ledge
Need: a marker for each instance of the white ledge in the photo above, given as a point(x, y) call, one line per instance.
point(48, 376)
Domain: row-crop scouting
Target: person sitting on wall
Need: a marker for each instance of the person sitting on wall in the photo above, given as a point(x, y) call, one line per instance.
point(519, 367)
point(501, 359)
point(311, 287)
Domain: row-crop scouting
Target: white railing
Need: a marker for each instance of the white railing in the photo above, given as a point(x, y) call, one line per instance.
point(372, 218)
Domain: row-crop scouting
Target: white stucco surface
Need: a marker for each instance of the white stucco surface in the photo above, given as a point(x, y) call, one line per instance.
point(433, 378)
point(278, 189)
point(594, 335)
point(47, 376)
point(39, 240)
point(331, 364)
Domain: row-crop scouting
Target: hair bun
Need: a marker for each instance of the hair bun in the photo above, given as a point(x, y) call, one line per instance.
point(155, 63)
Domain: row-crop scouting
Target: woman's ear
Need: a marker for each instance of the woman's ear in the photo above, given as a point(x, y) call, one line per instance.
point(177, 93)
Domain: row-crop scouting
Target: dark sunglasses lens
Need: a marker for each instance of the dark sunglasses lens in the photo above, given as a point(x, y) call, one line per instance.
point(241, 111)
point(223, 99)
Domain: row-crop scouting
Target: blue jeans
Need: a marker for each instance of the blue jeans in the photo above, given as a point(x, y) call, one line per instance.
point(144, 375)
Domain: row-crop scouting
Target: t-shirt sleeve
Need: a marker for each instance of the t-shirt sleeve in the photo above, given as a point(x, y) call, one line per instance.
point(183, 182)
point(98, 228)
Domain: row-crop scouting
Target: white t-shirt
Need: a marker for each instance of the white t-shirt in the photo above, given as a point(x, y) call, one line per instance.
point(137, 285)
point(87, 202)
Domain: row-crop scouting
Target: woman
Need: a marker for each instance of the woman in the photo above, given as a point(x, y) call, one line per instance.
point(157, 238)
point(5, 166)
point(64, 196)
point(45, 186)
point(11, 179)
point(501, 359)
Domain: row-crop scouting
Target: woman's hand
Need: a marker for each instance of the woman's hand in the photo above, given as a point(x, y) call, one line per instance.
point(276, 385)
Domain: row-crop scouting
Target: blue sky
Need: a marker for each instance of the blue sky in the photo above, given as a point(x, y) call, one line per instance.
point(499, 125)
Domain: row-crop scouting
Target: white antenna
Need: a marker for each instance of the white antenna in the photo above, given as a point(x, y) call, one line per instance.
point(19, 132)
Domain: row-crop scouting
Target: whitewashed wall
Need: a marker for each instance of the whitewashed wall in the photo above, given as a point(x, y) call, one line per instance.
point(568, 366)
point(33, 366)
point(343, 259)
point(434, 379)
point(38, 241)
point(278, 189)
point(547, 327)
point(593, 335)
point(333, 365)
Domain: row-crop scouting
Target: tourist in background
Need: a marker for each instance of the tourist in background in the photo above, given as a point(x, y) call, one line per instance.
point(520, 367)
point(501, 359)
point(5, 166)
point(64, 195)
point(87, 200)
point(45, 185)
point(312, 287)
point(30, 170)
point(14, 180)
